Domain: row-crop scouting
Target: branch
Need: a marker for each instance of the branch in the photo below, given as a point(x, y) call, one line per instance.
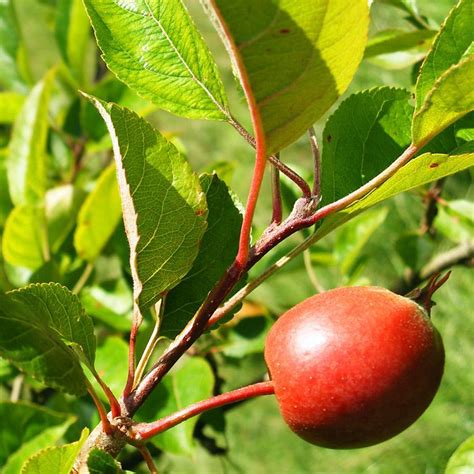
point(137, 319)
point(285, 230)
point(302, 216)
point(185, 339)
point(106, 427)
point(463, 254)
point(148, 430)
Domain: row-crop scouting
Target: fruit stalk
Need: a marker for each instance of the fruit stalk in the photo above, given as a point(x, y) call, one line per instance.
point(144, 431)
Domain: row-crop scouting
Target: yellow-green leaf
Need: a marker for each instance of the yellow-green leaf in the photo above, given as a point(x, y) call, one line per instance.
point(98, 217)
point(297, 56)
point(451, 97)
point(154, 47)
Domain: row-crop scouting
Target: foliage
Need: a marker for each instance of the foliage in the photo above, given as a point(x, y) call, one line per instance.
point(95, 102)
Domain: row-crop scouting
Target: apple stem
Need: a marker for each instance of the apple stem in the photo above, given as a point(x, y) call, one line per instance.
point(423, 296)
point(145, 431)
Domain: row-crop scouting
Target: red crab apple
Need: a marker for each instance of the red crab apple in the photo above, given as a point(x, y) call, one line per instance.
point(354, 366)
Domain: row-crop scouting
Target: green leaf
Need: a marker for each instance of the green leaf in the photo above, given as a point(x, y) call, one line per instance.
point(298, 57)
point(42, 327)
point(57, 459)
point(46, 438)
point(100, 462)
point(246, 337)
point(392, 41)
point(98, 217)
point(217, 251)
point(188, 383)
point(110, 304)
point(27, 158)
point(37, 38)
point(163, 205)
point(451, 44)
point(464, 129)
point(23, 423)
point(451, 98)
point(111, 365)
point(421, 170)
point(154, 47)
point(24, 240)
point(10, 105)
point(62, 206)
point(462, 460)
point(10, 78)
point(365, 134)
point(409, 6)
point(32, 231)
point(73, 35)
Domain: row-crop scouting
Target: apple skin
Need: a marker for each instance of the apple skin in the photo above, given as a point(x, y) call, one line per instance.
point(354, 366)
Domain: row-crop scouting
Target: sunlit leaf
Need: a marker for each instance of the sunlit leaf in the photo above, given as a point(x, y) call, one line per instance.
point(421, 170)
point(10, 105)
point(392, 41)
point(57, 459)
point(451, 97)
point(73, 34)
point(32, 232)
point(453, 42)
point(24, 241)
point(462, 460)
point(154, 47)
point(27, 158)
point(163, 205)
point(295, 57)
point(37, 38)
point(46, 438)
point(98, 217)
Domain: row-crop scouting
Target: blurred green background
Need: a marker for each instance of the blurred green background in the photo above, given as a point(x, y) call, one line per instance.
point(382, 247)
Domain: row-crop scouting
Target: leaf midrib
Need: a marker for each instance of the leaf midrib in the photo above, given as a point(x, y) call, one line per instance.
point(185, 64)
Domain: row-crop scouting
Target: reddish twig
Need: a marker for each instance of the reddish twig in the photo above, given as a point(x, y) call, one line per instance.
point(106, 427)
point(131, 354)
point(148, 430)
